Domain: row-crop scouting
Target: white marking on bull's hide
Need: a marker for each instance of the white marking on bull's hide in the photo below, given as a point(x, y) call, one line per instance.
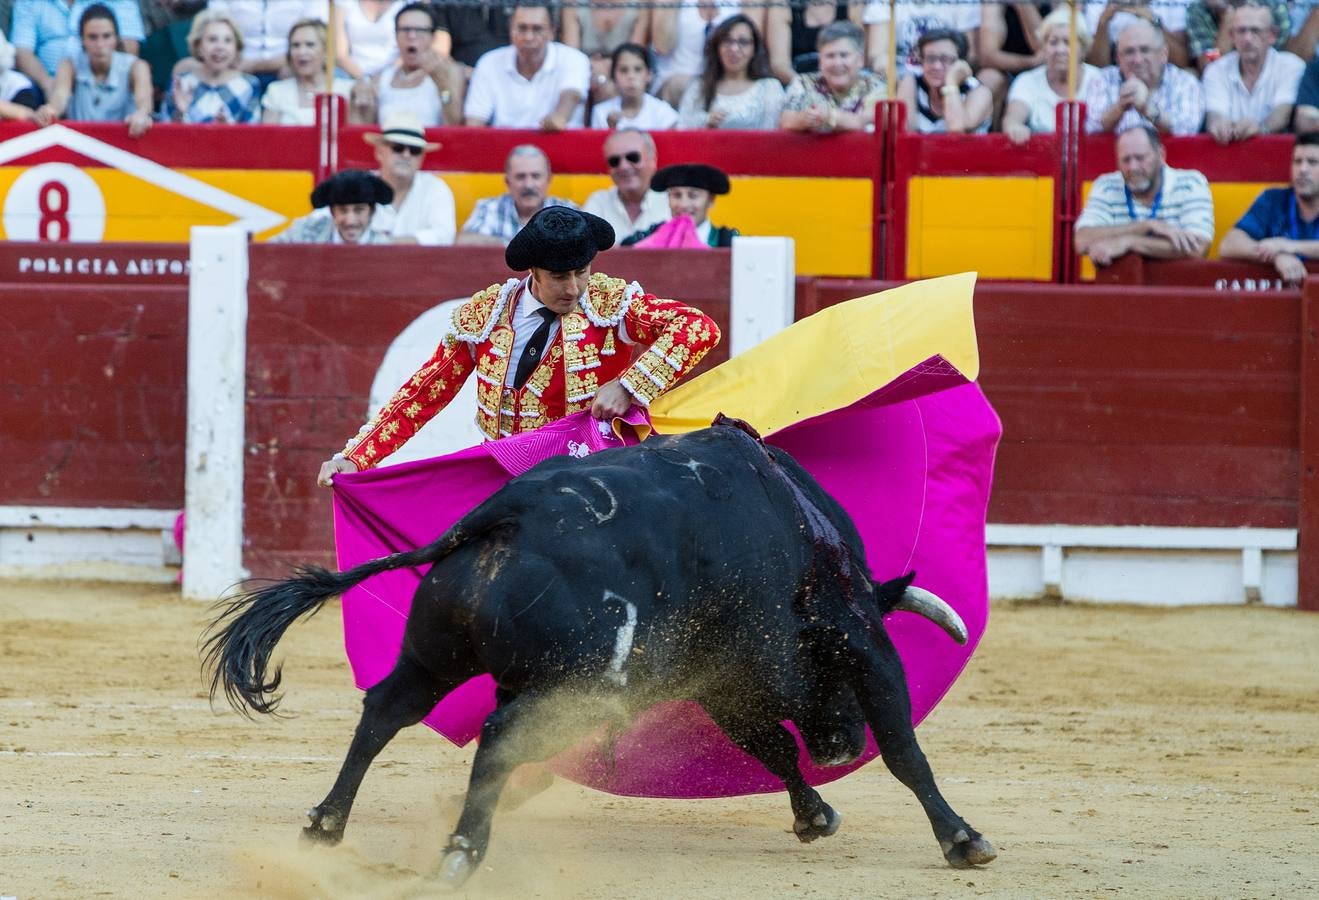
point(600, 518)
point(622, 640)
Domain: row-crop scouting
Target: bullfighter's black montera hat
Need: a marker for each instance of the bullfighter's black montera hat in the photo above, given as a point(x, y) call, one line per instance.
point(351, 186)
point(559, 239)
point(696, 175)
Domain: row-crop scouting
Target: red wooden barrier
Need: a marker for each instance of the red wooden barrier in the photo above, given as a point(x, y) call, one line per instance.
point(95, 376)
point(1173, 407)
point(320, 320)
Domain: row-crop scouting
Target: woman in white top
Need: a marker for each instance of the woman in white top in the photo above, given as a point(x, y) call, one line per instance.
point(631, 106)
point(736, 88)
point(678, 34)
point(420, 81)
point(1035, 92)
point(292, 101)
point(363, 33)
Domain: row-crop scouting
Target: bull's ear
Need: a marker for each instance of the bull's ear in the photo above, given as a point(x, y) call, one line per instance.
point(888, 593)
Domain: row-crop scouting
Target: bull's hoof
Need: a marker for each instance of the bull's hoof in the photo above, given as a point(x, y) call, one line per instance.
point(326, 829)
point(823, 824)
point(458, 864)
point(967, 849)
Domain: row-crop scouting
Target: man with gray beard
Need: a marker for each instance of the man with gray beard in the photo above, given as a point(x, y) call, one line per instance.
point(1146, 207)
point(495, 220)
point(1281, 228)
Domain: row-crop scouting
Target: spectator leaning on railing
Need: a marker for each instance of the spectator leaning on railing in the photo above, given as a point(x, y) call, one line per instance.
point(631, 106)
point(945, 96)
point(100, 83)
point(18, 97)
point(215, 91)
point(292, 100)
point(1281, 228)
point(736, 88)
point(840, 96)
point(1251, 90)
point(535, 83)
point(420, 81)
point(598, 29)
point(1146, 207)
point(1034, 95)
point(45, 32)
point(1306, 119)
point(1143, 88)
point(1208, 24)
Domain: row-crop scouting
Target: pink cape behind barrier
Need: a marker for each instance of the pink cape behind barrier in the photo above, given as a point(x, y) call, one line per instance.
point(912, 463)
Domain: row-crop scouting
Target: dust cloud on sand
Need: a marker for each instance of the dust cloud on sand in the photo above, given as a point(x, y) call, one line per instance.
point(1103, 750)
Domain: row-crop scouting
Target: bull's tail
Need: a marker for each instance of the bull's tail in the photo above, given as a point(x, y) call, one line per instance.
point(244, 634)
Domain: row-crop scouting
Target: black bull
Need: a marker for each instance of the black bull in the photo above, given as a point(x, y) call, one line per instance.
point(706, 567)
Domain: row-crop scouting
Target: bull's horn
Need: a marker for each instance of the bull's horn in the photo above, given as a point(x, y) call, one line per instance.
point(923, 603)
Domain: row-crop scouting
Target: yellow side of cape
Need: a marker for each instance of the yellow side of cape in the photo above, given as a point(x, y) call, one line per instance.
point(832, 359)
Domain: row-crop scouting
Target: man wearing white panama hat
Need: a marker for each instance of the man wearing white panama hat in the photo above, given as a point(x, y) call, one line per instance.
point(423, 209)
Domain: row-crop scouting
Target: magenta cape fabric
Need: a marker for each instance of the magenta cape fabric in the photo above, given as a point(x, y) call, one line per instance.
point(912, 463)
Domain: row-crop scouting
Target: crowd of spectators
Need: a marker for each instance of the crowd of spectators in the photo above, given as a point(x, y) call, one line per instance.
point(1231, 68)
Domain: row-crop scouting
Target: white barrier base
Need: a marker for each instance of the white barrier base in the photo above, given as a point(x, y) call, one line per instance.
point(93, 544)
point(1134, 564)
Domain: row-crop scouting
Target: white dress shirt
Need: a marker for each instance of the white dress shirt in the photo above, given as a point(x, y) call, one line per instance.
point(498, 93)
point(1277, 84)
point(606, 204)
point(427, 213)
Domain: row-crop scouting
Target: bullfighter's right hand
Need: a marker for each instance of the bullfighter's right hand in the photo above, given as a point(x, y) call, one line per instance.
point(332, 467)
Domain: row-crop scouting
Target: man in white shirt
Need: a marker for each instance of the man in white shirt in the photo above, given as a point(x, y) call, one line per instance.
point(536, 82)
point(1251, 90)
point(1143, 87)
point(423, 210)
point(630, 205)
point(1146, 207)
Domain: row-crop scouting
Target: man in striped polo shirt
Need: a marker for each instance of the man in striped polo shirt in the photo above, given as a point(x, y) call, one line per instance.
point(1145, 207)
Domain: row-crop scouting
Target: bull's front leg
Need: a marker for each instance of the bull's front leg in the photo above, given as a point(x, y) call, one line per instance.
point(882, 689)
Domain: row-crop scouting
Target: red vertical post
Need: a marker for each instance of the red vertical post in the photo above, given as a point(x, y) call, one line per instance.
point(1307, 501)
point(889, 229)
point(1069, 132)
point(330, 116)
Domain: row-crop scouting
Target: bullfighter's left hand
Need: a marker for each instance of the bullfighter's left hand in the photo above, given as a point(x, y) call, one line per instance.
point(611, 400)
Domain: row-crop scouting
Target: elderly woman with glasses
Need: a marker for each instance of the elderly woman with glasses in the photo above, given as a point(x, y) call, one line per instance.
point(840, 96)
point(736, 89)
point(1035, 93)
point(944, 97)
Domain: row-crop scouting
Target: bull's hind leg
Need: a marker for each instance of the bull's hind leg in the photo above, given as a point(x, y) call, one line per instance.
point(526, 728)
point(403, 698)
point(775, 747)
point(882, 690)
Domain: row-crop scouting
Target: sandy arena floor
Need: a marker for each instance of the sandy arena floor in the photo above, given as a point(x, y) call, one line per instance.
point(1105, 751)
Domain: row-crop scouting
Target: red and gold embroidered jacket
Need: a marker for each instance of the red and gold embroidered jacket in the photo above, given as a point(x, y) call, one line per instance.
point(585, 355)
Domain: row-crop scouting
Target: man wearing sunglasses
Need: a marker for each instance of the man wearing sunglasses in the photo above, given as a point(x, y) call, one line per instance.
point(630, 205)
point(423, 209)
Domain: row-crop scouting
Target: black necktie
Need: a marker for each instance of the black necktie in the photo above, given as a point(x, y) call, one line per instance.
point(535, 348)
